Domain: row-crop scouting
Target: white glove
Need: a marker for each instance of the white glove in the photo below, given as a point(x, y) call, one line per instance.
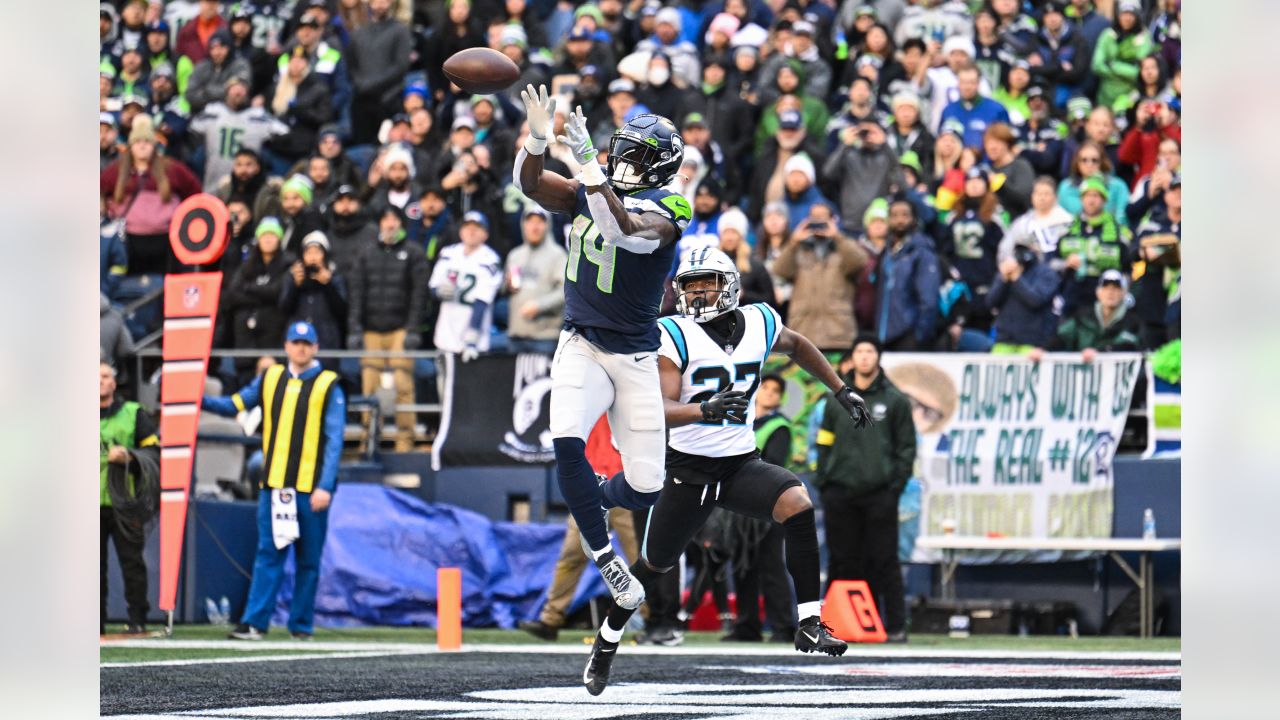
point(447, 291)
point(578, 139)
point(469, 351)
point(539, 110)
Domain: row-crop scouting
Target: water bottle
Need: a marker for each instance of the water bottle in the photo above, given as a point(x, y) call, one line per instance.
point(1148, 524)
point(211, 609)
point(224, 607)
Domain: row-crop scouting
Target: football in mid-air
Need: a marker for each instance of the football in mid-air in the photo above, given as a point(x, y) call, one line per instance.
point(481, 70)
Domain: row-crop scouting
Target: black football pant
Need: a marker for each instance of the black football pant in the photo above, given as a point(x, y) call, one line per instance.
point(862, 544)
point(129, 551)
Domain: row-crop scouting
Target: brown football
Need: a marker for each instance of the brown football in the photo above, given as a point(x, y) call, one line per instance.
point(481, 70)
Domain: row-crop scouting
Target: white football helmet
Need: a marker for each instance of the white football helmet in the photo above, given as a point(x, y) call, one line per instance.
point(699, 305)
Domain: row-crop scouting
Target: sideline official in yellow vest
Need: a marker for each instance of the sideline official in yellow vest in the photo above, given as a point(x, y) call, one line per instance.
point(303, 415)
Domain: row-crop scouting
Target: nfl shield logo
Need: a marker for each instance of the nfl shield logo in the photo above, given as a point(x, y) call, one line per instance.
point(191, 296)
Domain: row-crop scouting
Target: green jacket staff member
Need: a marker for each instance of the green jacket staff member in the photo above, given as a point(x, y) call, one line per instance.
point(860, 476)
point(121, 429)
point(303, 415)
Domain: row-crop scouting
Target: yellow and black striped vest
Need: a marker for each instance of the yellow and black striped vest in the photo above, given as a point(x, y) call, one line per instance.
point(293, 427)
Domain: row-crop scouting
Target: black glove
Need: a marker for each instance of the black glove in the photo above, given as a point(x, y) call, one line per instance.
point(355, 341)
point(412, 340)
point(731, 404)
point(853, 403)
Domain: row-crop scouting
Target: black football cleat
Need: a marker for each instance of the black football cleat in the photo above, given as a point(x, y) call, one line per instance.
point(596, 674)
point(813, 635)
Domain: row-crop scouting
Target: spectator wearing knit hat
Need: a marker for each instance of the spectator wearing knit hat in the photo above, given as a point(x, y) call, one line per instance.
point(823, 265)
point(1120, 50)
point(864, 167)
point(666, 39)
point(800, 190)
point(301, 99)
point(907, 133)
point(1095, 242)
point(349, 227)
point(144, 188)
point(396, 186)
point(756, 285)
point(297, 215)
point(801, 50)
point(253, 296)
point(209, 79)
point(316, 293)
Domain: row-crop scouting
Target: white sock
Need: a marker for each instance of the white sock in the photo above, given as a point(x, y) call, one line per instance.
point(808, 609)
point(597, 554)
point(609, 634)
point(682, 615)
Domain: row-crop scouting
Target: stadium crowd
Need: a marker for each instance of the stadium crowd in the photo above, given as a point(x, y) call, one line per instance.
point(982, 175)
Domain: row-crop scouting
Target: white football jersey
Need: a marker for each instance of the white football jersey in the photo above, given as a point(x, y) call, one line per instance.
point(709, 368)
point(478, 277)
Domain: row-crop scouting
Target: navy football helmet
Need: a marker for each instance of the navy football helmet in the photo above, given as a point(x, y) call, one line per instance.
point(645, 153)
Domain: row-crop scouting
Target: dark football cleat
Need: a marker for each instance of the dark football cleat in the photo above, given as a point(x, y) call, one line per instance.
point(596, 674)
point(814, 635)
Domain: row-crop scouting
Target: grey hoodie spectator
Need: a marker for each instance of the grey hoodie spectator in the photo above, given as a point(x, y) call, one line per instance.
point(865, 168)
point(208, 81)
point(535, 279)
point(113, 336)
point(802, 48)
point(378, 58)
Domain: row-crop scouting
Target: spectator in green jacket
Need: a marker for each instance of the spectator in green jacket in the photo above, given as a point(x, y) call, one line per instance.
point(860, 475)
point(1095, 242)
point(1119, 54)
point(1105, 326)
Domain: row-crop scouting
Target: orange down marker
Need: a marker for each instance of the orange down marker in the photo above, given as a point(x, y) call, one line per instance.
point(851, 612)
point(449, 608)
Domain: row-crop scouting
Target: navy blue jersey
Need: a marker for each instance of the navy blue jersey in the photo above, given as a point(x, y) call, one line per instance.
point(613, 296)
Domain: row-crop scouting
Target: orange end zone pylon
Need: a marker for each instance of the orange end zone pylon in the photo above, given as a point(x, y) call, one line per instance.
point(851, 612)
point(449, 608)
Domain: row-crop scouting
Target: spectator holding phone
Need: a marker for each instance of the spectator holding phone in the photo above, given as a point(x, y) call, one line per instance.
point(822, 264)
point(316, 293)
point(1148, 194)
point(1155, 121)
point(1022, 299)
point(864, 167)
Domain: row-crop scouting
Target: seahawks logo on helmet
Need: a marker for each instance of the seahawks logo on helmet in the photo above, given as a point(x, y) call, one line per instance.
point(645, 153)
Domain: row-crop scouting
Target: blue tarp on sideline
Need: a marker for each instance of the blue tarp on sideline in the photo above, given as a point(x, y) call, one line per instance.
point(384, 547)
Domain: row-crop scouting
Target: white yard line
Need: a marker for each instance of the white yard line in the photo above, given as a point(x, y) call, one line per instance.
point(374, 649)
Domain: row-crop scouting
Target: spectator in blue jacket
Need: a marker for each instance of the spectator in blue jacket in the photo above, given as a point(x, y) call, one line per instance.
point(907, 280)
point(1022, 298)
point(972, 110)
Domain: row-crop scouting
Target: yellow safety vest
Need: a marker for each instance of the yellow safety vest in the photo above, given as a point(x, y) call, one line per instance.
point(293, 427)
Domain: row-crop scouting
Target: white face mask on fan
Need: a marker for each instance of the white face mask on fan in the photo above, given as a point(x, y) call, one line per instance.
point(659, 75)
